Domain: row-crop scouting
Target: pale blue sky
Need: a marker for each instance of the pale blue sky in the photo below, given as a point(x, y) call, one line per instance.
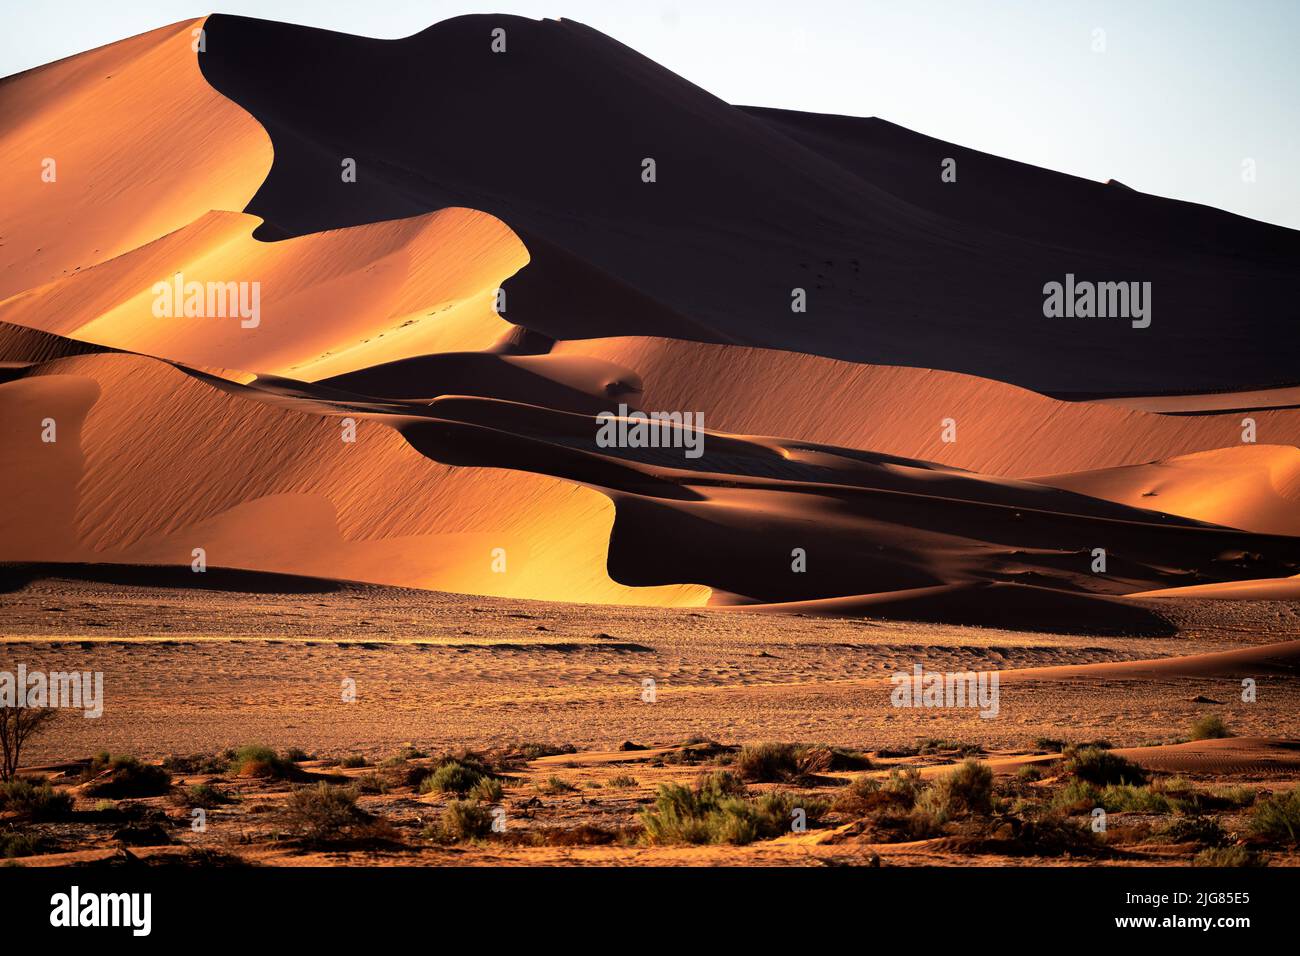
point(1184, 92)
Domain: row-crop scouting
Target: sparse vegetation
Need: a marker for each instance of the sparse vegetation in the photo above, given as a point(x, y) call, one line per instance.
point(487, 790)
point(1225, 856)
point(259, 761)
point(554, 786)
point(353, 761)
point(1101, 767)
point(452, 777)
point(620, 780)
point(33, 800)
point(124, 776)
point(465, 820)
point(715, 810)
point(965, 791)
point(324, 812)
point(17, 726)
point(1277, 819)
point(1209, 727)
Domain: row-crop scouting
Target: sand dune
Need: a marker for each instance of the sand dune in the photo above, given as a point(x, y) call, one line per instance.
point(142, 146)
point(1000, 429)
point(152, 462)
point(328, 303)
point(746, 207)
point(1254, 487)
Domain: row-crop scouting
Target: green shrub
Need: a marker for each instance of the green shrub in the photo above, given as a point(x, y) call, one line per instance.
point(715, 812)
point(124, 776)
point(207, 796)
point(34, 800)
point(554, 786)
point(16, 844)
point(258, 761)
point(452, 777)
point(323, 812)
point(1225, 856)
point(1278, 818)
point(1196, 829)
point(1101, 767)
point(488, 790)
point(1209, 727)
point(465, 820)
point(767, 763)
point(352, 762)
point(1123, 797)
point(966, 791)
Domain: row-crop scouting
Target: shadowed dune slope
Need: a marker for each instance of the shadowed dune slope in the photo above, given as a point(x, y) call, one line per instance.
point(746, 208)
point(141, 143)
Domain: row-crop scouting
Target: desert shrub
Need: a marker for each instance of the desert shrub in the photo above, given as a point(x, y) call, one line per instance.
point(1050, 834)
point(532, 751)
point(1050, 744)
point(935, 745)
point(1278, 818)
point(296, 755)
point(487, 790)
point(621, 780)
point(16, 844)
point(17, 726)
point(1123, 797)
point(207, 796)
point(1196, 829)
point(965, 791)
point(767, 762)
point(1224, 856)
point(1209, 727)
point(33, 800)
point(323, 812)
point(1076, 797)
point(195, 763)
point(452, 777)
point(465, 820)
point(1029, 773)
point(123, 776)
point(712, 812)
point(258, 761)
point(862, 794)
point(353, 761)
point(1101, 767)
point(903, 785)
point(554, 786)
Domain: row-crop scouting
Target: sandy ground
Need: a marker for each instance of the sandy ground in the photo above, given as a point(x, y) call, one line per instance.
point(202, 670)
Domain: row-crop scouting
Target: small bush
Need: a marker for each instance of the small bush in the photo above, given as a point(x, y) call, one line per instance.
point(207, 796)
point(296, 755)
point(452, 777)
point(34, 801)
point(1029, 773)
point(767, 763)
point(123, 776)
point(258, 761)
point(195, 763)
point(465, 820)
point(487, 790)
point(714, 812)
point(323, 812)
point(1209, 727)
point(621, 780)
point(533, 751)
point(966, 791)
point(1101, 767)
point(554, 786)
point(1077, 796)
point(1225, 856)
point(1122, 797)
point(1277, 819)
point(1196, 829)
point(16, 844)
point(353, 761)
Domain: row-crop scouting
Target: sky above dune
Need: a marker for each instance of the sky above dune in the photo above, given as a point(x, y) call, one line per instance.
point(1180, 98)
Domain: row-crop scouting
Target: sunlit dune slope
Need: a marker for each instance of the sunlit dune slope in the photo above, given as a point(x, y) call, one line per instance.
point(1254, 487)
point(327, 303)
point(151, 462)
point(1000, 429)
point(142, 145)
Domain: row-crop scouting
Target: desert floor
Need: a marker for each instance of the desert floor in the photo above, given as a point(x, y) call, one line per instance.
point(198, 672)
